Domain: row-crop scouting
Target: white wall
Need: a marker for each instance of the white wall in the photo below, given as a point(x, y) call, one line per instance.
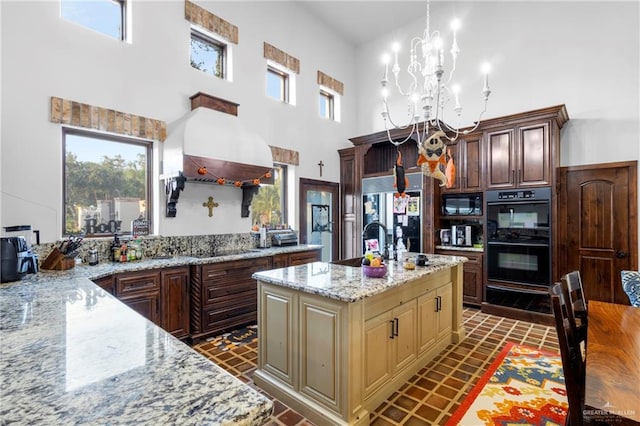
point(583, 54)
point(44, 55)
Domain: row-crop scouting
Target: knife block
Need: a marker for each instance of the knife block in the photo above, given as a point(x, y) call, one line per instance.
point(57, 261)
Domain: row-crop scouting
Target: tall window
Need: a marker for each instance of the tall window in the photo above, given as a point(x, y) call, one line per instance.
point(105, 16)
point(106, 182)
point(268, 206)
point(277, 84)
point(208, 55)
point(326, 105)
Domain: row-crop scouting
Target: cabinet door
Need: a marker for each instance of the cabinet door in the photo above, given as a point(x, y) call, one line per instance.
point(320, 350)
point(455, 151)
point(471, 160)
point(472, 280)
point(277, 346)
point(175, 301)
point(378, 367)
point(427, 316)
point(146, 304)
point(404, 345)
point(445, 313)
point(280, 261)
point(500, 159)
point(534, 155)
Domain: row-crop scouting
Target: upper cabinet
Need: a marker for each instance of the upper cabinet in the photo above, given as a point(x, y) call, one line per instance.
point(467, 158)
point(524, 151)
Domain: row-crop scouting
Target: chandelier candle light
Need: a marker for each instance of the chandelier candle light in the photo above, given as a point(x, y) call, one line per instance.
point(428, 94)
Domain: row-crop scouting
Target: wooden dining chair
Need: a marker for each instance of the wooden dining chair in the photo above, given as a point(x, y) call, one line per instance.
point(572, 361)
point(577, 304)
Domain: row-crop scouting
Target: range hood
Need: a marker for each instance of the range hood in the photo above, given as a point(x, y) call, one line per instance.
point(210, 143)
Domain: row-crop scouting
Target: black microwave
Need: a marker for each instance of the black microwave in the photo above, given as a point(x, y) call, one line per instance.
point(462, 204)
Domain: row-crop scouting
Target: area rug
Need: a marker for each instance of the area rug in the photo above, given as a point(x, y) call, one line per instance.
point(523, 386)
point(235, 338)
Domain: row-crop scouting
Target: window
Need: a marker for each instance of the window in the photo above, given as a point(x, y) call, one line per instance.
point(106, 182)
point(326, 105)
point(268, 206)
point(104, 16)
point(208, 54)
point(277, 84)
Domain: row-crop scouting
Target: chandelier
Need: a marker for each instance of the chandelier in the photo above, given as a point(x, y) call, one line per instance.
point(428, 92)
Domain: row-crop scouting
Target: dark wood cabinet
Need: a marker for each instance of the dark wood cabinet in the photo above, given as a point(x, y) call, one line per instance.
point(107, 284)
point(141, 292)
point(175, 301)
point(522, 156)
point(300, 258)
point(472, 271)
point(467, 156)
point(350, 189)
point(223, 295)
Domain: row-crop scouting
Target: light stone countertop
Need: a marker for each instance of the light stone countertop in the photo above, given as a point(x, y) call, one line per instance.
point(347, 283)
point(70, 353)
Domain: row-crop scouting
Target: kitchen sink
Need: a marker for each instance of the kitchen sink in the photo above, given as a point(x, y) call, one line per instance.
point(223, 253)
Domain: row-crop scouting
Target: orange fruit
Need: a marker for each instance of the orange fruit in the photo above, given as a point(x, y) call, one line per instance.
point(375, 262)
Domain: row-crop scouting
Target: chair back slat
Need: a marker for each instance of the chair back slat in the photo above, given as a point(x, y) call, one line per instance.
point(577, 304)
point(572, 361)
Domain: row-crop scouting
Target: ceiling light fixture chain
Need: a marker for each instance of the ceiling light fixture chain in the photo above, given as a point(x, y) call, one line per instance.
point(427, 94)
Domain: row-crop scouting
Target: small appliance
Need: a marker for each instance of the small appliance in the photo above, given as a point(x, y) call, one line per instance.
point(445, 237)
point(284, 238)
point(462, 204)
point(462, 235)
point(16, 259)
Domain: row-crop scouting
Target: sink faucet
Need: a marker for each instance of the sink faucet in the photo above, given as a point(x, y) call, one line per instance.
point(385, 253)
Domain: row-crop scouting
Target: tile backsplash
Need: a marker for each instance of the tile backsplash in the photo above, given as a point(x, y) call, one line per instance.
point(191, 245)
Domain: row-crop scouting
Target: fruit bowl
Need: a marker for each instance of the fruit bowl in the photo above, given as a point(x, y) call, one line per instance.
point(374, 271)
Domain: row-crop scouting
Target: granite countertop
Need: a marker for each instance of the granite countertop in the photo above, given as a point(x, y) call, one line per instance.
point(347, 283)
point(73, 354)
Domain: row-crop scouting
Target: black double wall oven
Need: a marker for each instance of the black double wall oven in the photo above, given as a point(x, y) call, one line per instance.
point(518, 242)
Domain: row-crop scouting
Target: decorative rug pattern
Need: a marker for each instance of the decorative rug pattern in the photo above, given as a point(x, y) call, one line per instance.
point(235, 338)
point(523, 386)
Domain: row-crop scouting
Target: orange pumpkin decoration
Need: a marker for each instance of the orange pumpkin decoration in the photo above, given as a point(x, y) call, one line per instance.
point(220, 181)
point(237, 183)
point(202, 170)
point(267, 175)
point(256, 181)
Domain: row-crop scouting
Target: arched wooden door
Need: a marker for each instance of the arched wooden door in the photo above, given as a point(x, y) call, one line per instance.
point(598, 226)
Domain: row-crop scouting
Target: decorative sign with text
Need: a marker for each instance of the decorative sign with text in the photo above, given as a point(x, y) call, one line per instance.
point(140, 226)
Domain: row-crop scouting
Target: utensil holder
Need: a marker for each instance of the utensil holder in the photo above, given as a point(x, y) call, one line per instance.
point(57, 261)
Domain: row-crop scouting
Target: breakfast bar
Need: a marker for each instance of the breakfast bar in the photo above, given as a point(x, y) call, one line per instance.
point(335, 343)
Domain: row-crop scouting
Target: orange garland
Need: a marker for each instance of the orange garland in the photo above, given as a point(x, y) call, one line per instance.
point(202, 170)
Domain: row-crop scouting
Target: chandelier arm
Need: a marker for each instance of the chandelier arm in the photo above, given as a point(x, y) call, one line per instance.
point(398, 143)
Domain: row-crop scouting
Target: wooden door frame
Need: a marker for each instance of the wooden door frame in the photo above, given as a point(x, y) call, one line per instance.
point(305, 185)
point(561, 193)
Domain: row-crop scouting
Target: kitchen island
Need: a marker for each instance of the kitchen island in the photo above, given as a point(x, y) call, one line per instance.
point(71, 353)
point(334, 343)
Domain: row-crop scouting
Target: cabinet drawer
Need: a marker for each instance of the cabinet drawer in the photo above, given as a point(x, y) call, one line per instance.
point(214, 290)
point(137, 282)
point(236, 299)
point(237, 268)
point(303, 257)
point(224, 319)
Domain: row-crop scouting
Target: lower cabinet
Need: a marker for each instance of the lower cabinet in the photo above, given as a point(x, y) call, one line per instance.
point(472, 275)
point(391, 338)
point(160, 295)
point(175, 301)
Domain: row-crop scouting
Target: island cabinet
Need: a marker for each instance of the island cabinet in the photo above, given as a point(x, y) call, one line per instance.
point(335, 361)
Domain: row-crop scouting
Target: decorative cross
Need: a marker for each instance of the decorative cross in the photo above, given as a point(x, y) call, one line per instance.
point(210, 204)
point(321, 164)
